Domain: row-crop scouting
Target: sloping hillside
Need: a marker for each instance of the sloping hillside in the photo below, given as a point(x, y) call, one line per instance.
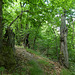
point(30, 63)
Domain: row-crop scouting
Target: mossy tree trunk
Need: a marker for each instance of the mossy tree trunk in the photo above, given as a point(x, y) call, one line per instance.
point(10, 38)
point(63, 43)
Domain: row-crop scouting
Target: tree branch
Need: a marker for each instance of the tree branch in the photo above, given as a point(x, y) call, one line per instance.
point(18, 17)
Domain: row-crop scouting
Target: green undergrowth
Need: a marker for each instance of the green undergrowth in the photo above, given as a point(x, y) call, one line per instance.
point(35, 68)
point(29, 67)
point(66, 72)
point(44, 62)
point(40, 65)
point(72, 61)
point(72, 68)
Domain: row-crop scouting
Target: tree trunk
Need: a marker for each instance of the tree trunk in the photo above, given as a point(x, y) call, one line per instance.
point(63, 43)
point(26, 37)
point(10, 39)
point(1, 27)
point(34, 42)
point(27, 41)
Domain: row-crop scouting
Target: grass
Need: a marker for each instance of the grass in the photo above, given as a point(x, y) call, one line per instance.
point(66, 72)
point(32, 51)
point(44, 62)
point(34, 68)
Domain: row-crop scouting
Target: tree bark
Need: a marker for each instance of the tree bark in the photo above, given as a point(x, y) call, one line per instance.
point(63, 43)
point(34, 42)
point(1, 26)
point(26, 38)
point(10, 39)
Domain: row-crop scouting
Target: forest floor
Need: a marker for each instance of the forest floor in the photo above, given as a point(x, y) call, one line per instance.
point(28, 60)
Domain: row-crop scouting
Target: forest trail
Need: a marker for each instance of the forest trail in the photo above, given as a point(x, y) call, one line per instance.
point(27, 56)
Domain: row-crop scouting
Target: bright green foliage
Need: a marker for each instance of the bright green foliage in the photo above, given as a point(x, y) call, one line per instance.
point(2, 68)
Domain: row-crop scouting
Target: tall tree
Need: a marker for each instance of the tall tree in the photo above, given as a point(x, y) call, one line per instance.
point(63, 42)
point(1, 27)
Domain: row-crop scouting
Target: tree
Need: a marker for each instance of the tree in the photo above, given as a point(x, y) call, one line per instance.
point(63, 42)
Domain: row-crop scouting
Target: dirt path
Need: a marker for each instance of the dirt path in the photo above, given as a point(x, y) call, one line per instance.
point(21, 52)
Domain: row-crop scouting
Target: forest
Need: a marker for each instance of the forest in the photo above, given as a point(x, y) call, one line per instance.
point(37, 37)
